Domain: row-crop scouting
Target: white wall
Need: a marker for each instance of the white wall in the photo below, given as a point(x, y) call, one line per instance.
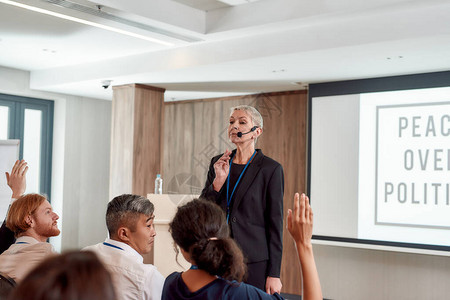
point(80, 165)
point(349, 273)
point(86, 176)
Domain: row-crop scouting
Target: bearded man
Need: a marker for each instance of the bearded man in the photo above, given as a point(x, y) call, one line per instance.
point(33, 221)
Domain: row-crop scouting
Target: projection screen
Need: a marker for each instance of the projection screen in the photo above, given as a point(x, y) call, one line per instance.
point(379, 167)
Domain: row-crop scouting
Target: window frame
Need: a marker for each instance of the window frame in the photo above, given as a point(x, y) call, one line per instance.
point(17, 106)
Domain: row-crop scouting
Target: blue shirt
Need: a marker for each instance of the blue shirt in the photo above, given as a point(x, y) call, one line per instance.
point(175, 288)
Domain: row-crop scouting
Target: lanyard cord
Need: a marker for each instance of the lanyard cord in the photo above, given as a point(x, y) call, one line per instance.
point(112, 246)
point(237, 183)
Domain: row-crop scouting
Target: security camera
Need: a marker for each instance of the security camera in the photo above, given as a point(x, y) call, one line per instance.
point(106, 83)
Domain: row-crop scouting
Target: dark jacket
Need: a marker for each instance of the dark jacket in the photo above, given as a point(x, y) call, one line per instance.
point(256, 218)
point(6, 238)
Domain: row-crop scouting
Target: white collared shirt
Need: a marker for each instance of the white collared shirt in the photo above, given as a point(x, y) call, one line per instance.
point(22, 256)
point(132, 278)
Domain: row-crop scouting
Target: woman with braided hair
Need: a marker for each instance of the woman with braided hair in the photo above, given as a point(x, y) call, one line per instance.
point(200, 230)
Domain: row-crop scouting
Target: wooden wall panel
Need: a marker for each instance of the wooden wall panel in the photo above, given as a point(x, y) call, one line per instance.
point(136, 138)
point(148, 131)
point(121, 166)
point(197, 130)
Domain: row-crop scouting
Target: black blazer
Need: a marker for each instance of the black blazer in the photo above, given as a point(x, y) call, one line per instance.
point(256, 218)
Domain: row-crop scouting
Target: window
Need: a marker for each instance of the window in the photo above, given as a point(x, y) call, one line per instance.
point(30, 120)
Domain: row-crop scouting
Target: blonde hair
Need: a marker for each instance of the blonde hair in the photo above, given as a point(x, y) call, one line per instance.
point(254, 114)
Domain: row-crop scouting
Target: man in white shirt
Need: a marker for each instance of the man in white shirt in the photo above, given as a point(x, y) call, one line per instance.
point(129, 219)
point(33, 221)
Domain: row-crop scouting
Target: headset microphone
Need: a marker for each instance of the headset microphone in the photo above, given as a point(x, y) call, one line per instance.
point(240, 134)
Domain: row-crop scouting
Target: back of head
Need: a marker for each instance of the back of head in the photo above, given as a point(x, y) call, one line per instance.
point(20, 209)
point(124, 210)
point(199, 228)
point(70, 276)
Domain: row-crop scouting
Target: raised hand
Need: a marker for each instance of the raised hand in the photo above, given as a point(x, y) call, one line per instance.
point(17, 180)
point(300, 224)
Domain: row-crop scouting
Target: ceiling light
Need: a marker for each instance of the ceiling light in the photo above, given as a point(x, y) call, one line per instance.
point(237, 2)
point(78, 20)
point(100, 13)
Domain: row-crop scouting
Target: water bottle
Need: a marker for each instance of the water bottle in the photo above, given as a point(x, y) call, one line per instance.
point(158, 184)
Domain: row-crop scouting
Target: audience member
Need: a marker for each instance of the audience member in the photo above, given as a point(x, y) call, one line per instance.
point(129, 219)
point(200, 230)
point(70, 276)
point(33, 221)
point(17, 182)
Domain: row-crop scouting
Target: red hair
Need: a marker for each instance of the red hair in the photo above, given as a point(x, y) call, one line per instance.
point(20, 210)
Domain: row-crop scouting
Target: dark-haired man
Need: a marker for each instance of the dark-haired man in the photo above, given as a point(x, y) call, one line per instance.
point(129, 219)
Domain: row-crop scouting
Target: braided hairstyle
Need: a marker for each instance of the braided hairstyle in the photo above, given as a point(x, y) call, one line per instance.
point(199, 228)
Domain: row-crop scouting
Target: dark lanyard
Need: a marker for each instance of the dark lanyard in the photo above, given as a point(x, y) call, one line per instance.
point(111, 245)
point(237, 182)
point(22, 243)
